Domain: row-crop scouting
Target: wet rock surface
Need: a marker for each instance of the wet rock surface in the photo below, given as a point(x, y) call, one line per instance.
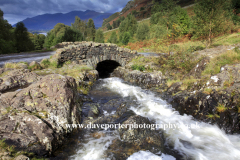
point(144, 80)
point(218, 107)
point(34, 119)
point(197, 70)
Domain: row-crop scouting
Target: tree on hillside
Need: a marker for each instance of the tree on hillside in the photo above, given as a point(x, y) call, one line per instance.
point(125, 38)
point(99, 36)
point(179, 17)
point(91, 30)
point(163, 6)
point(119, 20)
point(113, 38)
point(22, 40)
point(127, 28)
point(142, 31)
point(80, 26)
point(114, 24)
point(236, 7)
point(212, 17)
point(171, 16)
point(109, 27)
point(129, 24)
point(162, 11)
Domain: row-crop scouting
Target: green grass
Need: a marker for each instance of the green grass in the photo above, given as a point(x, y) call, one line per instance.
point(83, 90)
point(182, 62)
point(230, 57)
point(228, 39)
point(221, 108)
point(138, 67)
point(211, 116)
point(50, 64)
point(186, 83)
point(46, 63)
point(207, 90)
point(34, 67)
point(14, 65)
point(140, 60)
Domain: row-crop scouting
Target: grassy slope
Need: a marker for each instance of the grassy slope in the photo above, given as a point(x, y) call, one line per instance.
point(183, 43)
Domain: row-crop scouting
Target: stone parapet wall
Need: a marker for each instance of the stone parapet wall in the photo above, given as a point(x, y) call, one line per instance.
point(92, 53)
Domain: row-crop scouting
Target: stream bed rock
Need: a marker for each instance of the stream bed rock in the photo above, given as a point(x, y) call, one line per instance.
point(144, 80)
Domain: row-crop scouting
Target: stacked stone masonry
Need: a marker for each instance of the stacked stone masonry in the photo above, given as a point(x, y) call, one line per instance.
point(92, 53)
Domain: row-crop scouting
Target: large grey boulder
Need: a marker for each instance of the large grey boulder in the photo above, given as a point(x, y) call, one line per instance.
point(34, 119)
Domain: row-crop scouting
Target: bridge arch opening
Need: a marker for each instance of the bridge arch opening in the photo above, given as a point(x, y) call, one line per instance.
point(105, 68)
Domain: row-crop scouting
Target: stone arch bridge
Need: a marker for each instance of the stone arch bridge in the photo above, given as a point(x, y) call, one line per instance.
point(92, 53)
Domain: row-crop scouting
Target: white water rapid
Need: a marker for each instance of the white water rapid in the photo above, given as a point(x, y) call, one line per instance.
point(207, 142)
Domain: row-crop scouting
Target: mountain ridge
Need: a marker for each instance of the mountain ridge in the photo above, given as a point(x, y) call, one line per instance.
point(46, 22)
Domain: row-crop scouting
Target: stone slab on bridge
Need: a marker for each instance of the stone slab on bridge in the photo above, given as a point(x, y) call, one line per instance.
point(92, 53)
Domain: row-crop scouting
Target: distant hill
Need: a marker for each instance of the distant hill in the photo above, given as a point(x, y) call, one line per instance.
point(46, 22)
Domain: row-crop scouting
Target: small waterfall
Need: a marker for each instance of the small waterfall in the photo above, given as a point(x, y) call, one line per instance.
point(205, 142)
point(196, 140)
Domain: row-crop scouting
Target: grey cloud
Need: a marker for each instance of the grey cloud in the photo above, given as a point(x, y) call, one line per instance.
point(31, 8)
point(104, 1)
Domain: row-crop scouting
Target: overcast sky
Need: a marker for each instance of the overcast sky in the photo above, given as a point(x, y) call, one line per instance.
point(18, 10)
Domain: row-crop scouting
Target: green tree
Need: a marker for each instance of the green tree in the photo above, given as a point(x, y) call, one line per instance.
point(172, 16)
point(109, 27)
point(91, 30)
point(7, 44)
point(126, 37)
point(129, 24)
point(158, 31)
point(142, 31)
point(1, 14)
point(99, 36)
point(62, 33)
point(80, 26)
point(23, 42)
point(180, 18)
point(37, 40)
point(212, 17)
point(71, 35)
point(114, 24)
point(161, 12)
point(236, 8)
point(113, 38)
point(163, 6)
